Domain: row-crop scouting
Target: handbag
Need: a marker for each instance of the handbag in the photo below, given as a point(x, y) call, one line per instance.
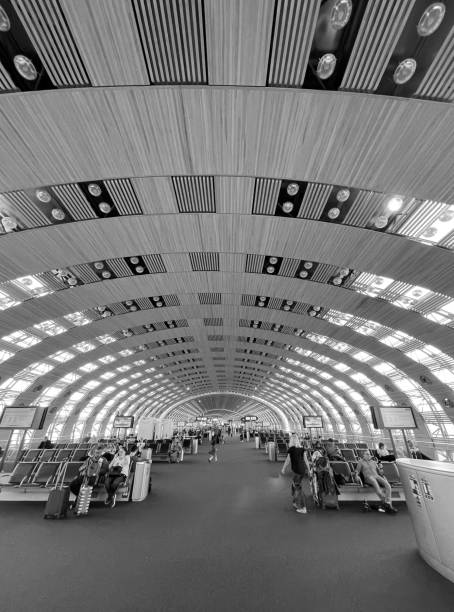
point(115, 471)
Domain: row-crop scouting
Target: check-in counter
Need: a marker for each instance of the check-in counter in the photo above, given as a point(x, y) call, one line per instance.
point(429, 491)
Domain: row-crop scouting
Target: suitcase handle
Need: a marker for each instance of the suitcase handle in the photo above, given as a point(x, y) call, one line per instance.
point(61, 473)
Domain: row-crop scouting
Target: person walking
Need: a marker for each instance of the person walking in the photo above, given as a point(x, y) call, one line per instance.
point(297, 458)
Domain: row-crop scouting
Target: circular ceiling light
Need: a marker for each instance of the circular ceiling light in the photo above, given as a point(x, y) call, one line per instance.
point(263, 298)
point(270, 269)
point(431, 19)
point(106, 274)
point(261, 304)
point(99, 265)
point(337, 280)
point(394, 204)
point(312, 313)
point(289, 302)
point(381, 221)
point(43, 195)
point(133, 308)
point(273, 260)
point(344, 271)
point(308, 265)
point(129, 303)
point(342, 195)
point(134, 260)
point(58, 214)
point(147, 325)
point(304, 274)
point(326, 66)
point(106, 313)
point(286, 307)
point(5, 23)
point(317, 308)
point(293, 189)
point(140, 269)
point(404, 71)
point(105, 207)
point(171, 325)
point(156, 298)
point(9, 224)
point(340, 14)
point(287, 207)
point(25, 67)
point(72, 281)
point(334, 212)
point(446, 217)
point(430, 232)
point(94, 189)
point(158, 304)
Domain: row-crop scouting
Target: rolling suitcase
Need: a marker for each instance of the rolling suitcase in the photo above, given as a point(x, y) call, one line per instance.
point(83, 499)
point(329, 500)
point(141, 484)
point(58, 501)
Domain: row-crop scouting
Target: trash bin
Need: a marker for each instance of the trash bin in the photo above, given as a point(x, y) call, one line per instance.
point(257, 442)
point(271, 451)
point(195, 446)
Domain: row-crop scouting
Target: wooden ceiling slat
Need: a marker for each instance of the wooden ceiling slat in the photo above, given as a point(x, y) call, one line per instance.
point(105, 32)
point(238, 40)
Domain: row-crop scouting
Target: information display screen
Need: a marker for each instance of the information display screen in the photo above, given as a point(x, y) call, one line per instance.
point(313, 421)
point(124, 422)
point(249, 418)
point(393, 417)
point(23, 417)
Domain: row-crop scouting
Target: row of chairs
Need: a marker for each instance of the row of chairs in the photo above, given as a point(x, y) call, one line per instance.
point(53, 454)
point(41, 473)
point(390, 471)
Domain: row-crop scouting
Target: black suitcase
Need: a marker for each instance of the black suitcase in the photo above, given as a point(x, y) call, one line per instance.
point(58, 501)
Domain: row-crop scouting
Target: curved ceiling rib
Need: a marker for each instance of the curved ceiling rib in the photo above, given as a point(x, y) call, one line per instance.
point(202, 206)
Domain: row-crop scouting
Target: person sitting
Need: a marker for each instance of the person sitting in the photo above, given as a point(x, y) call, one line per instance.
point(175, 451)
point(117, 475)
point(88, 472)
point(46, 443)
point(384, 454)
point(333, 451)
point(371, 476)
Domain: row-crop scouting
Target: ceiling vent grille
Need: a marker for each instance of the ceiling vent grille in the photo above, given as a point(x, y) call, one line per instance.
point(213, 322)
point(207, 262)
point(172, 34)
point(217, 349)
point(289, 267)
point(323, 273)
point(314, 200)
point(48, 30)
point(119, 267)
point(171, 300)
point(293, 31)
point(365, 206)
point(155, 264)
point(123, 195)
point(144, 303)
point(28, 211)
point(210, 298)
point(5, 80)
point(438, 81)
point(215, 338)
point(181, 323)
point(195, 194)
point(254, 263)
point(266, 193)
point(248, 300)
point(85, 273)
point(74, 200)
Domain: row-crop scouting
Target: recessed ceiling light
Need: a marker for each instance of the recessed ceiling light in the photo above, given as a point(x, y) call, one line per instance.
point(381, 221)
point(72, 281)
point(317, 308)
point(344, 271)
point(270, 269)
point(289, 302)
point(340, 14)
point(133, 308)
point(129, 303)
point(140, 269)
point(287, 207)
point(337, 280)
point(94, 189)
point(273, 260)
point(261, 304)
point(9, 224)
point(43, 195)
point(158, 304)
point(134, 260)
point(394, 204)
point(58, 214)
point(326, 66)
point(404, 71)
point(286, 307)
point(263, 297)
point(342, 195)
point(431, 19)
point(99, 265)
point(334, 212)
point(308, 265)
point(105, 207)
point(312, 313)
point(304, 274)
point(25, 67)
point(106, 274)
point(5, 23)
point(293, 189)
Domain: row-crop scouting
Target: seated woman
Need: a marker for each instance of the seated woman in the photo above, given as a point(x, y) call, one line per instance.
point(88, 471)
point(117, 475)
point(384, 454)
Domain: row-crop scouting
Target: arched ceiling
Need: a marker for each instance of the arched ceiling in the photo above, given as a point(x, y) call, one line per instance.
point(195, 222)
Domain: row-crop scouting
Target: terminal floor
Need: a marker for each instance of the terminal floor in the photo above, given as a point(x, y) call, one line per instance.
point(220, 537)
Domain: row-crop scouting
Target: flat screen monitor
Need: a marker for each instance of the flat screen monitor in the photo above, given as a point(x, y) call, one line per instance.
point(393, 417)
point(313, 422)
point(124, 422)
point(23, 417)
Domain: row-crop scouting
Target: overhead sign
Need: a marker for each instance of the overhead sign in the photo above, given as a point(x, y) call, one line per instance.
point(23, 417)
point(249, 418)
point(313, 422)
point(123, 422)
point(393, 417)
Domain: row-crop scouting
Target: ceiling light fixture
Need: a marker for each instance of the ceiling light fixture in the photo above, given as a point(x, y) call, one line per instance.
point(431, 19)
point(72, 281)
point(304, 274)
point(334, 212)
point(381, 221)
point(340, 14)
point(94, 189)
point(106, 274)
point(287, 207)
point(43, 195)
point(337, 280)
point(58, 214)
point(273, 260)
point(134, 260)
point(326, 66)
point(394, 204)
point(270, 269)
point(99, 265)
point(9, 224)
point(404, 71)
point(293, 189)
point(342, 195)
point(5, 23)
point(261, 304)
point(308, 265)
point(105, 207)
point(140, 269)
point(25, 67)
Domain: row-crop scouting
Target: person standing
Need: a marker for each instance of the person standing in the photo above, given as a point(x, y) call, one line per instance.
point(297, 458)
